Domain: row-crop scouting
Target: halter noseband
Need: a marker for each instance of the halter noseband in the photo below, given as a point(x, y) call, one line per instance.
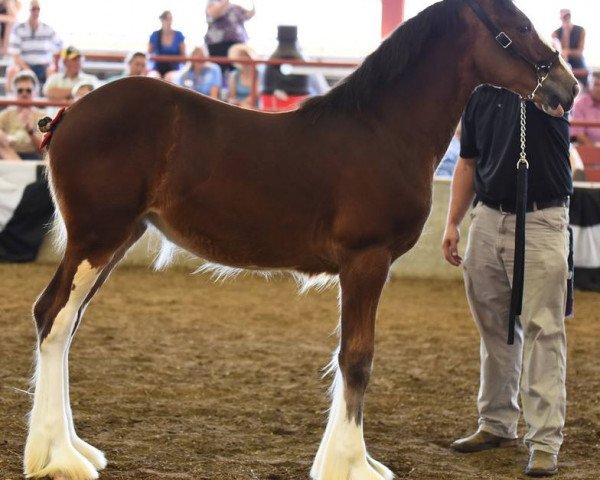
point(542, 68)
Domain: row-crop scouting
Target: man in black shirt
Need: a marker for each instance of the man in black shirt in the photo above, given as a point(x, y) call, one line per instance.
point(486, 172)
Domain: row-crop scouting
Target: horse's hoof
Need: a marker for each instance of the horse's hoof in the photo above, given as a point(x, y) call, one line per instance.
point(95, 456)
point(368, 470)
point(380, 468)
point(64, 463)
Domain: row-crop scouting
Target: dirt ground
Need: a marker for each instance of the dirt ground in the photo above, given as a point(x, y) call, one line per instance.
point(177, 377)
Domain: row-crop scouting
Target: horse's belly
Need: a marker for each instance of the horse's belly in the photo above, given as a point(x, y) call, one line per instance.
point(245, 244)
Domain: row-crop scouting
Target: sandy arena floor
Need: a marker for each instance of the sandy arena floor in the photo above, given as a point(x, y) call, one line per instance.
point(176, 377)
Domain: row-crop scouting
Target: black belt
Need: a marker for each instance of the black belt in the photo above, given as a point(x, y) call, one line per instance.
point(531, 207)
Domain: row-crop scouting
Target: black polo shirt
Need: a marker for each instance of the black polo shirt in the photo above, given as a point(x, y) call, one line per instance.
point(491, 134)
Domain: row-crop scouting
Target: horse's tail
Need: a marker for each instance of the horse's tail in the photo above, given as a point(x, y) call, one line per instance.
point(47, 126)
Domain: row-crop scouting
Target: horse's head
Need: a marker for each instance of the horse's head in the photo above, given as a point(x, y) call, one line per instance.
point(508, 52)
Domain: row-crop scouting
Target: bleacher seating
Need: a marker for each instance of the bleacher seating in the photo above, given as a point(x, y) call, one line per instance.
point(590, 156)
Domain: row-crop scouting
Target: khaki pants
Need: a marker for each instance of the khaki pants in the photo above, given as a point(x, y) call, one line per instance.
point(537, 359)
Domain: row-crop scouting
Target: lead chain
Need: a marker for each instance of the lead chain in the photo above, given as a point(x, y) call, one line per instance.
point(522, 157)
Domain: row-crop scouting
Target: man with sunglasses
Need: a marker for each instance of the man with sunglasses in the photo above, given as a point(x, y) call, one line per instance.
point(19, 136)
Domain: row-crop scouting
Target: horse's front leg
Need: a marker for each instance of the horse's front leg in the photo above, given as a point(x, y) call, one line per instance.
point(342, 454)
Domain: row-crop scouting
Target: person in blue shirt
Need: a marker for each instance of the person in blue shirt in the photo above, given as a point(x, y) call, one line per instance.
point(203, 77)
point(167, 41)
point(446, 167)
point(240, 79)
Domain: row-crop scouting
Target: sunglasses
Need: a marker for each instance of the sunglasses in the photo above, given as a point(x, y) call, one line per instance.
point(35, 9)
point(24, 90)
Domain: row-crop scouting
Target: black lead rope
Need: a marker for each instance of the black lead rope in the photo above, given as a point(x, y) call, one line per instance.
point(516, 300)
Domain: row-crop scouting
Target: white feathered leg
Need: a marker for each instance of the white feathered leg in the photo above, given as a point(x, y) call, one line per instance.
point(49, 450)
point(95, 456)
point(342, 454)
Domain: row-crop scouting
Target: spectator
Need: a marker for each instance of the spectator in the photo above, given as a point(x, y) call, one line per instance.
point(317, 84)
point(136, 66)
point(572, 42)
point(19, 136)
point(587, 107)
point(8, 14)
point(448, 163)
point(167, 41)
point(535, 365)
point(204, 77)
point(33, 45)
point(82, 88)
point(60, 85)
point(241, 78)
point(225, 28)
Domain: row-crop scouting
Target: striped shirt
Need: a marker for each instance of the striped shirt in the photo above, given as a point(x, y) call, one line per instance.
point(35, 47)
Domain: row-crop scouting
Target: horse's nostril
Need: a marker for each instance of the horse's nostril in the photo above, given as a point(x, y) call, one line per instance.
point(576, 89)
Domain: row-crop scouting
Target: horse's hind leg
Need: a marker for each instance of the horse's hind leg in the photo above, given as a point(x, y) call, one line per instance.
point(51, 448)
point(342, 454)
point(95, 456)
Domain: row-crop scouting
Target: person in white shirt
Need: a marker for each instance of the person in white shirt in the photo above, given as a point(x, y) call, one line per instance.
point(33, 45)
point(59, 85)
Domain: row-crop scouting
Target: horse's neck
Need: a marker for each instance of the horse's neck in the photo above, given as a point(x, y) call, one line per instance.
point(425, 106)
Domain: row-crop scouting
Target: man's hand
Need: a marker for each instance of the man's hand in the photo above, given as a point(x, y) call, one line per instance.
point(450, 245)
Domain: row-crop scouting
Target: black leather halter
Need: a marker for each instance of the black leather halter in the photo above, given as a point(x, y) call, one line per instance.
point(542, 68)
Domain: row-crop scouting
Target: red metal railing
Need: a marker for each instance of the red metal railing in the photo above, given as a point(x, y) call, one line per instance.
point(220, 60)
point(119, 58)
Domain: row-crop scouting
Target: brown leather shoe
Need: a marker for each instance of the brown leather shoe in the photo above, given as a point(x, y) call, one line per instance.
point(542, 464)
point(482, 440)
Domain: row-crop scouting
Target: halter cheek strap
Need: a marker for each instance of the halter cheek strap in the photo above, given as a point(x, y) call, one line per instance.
point(542, 68)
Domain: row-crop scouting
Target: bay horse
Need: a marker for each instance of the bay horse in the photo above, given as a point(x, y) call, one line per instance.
point(341, 186)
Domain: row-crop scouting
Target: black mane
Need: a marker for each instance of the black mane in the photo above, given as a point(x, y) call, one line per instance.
point(393, 57)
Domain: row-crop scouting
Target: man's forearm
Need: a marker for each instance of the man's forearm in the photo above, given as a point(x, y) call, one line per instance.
point(462, 191)
point(55, 93)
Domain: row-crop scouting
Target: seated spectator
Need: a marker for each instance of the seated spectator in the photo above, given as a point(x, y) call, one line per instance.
point(167, 41)
point(240, 79)
point(82, 88)
point(8, 14)
point(136, 65)
point(587, 107)
point(204, 77)
point(33, 45)
point(19, 135)
point(60, 85)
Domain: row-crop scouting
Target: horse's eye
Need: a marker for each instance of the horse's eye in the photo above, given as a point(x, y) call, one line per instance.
point(525, 29)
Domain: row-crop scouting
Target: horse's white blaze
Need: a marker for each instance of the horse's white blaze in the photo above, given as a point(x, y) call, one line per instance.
point(50, 450)
point(342, 454)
